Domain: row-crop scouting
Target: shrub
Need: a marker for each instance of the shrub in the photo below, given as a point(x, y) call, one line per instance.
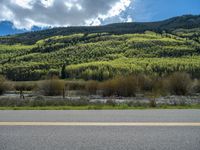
point(179, 83)
point(108, 88)
point(145, 83)
point(119, 86)
point(52, 87)
point(91, 87)
point(196, 86)
point(126, 86)
point(152, 102)
point(75, 85)
point(160, 87)
point(4, 86)
point(24, 86)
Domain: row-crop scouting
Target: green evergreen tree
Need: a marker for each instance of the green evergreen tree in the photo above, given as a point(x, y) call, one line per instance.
point(63, 72)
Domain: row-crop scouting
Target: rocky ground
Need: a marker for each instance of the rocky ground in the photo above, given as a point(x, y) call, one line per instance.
point(170, 99)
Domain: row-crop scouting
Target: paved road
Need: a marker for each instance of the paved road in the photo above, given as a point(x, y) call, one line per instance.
point(100, 137)
point(103, 116)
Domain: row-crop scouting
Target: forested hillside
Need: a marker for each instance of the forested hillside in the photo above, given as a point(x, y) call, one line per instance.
point(100, 53)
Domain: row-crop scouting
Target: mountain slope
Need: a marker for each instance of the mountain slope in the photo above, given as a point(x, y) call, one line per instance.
point(103, 55)
point(186, 22)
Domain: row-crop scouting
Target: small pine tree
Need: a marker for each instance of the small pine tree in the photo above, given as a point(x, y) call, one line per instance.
point(63, 72)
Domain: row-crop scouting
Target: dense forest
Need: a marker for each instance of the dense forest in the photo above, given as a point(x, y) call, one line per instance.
point(101, 53)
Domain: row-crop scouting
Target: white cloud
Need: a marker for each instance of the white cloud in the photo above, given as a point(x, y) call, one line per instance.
point(118, 7)
point(47, 3)
point(26, 4)
point(6, 14)
point(129, 19)
point(27, 13)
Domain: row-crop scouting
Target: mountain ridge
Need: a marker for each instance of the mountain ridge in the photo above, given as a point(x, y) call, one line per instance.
point(168, 25)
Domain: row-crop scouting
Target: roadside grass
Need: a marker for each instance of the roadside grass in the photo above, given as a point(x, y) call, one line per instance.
point(101, 107)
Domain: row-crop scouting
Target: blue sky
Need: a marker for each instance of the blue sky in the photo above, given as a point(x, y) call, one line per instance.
point(154, 10)
point(27, 15)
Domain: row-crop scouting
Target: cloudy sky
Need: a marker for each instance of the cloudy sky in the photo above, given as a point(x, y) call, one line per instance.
point(21, 15)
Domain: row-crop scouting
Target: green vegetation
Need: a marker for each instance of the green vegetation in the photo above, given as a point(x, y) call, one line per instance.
point(102, 53)
point(117, 60)
point(103, 107)
point(102, 57)
point(125, 66)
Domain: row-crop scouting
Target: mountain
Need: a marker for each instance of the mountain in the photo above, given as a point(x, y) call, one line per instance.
point(186, 22)
point(102, 52)
point(7, 28)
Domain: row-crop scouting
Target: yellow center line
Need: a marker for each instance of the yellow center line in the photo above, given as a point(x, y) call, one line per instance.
point(183, 124)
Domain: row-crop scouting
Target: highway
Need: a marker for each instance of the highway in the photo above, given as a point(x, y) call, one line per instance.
point(100, 130)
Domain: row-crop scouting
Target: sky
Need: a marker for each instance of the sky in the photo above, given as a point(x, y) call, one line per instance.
point(18, 16)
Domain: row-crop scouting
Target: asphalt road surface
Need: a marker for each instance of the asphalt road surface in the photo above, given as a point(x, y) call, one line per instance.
point(100, 130)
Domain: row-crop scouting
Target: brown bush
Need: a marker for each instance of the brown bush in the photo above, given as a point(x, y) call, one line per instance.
point(4, 85)
point(75, 85)
point(119, 86)
point(91, 87)
point(196, 86)
point(25, 86)
point(52, 87)
point(126, 86)
point(160, 87)
point(108, 88)
point(179, 83)
point(145, 83)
